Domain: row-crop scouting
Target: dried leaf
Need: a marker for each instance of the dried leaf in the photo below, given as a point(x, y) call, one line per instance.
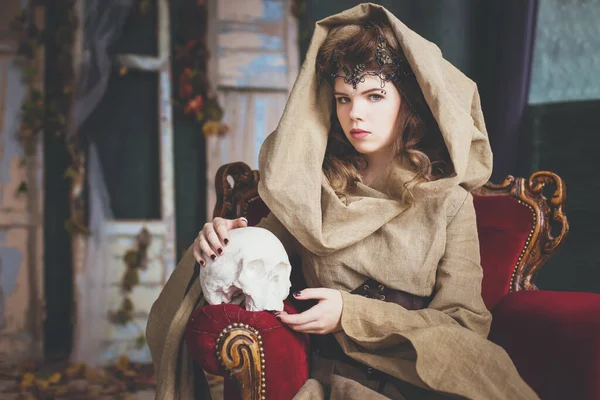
point(28, 380)
point(42, 385)
point(122, 363)
point(144, 238)
point(21, 189)
point(140, 341)
point(75, 370)
point(132, 259)
point(129, 373)
point(55, 378)
point(131, 277)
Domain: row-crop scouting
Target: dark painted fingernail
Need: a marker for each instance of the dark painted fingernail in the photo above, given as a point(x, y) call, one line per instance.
point(278, 317)
point(202, 262)
point(297, 294)
point(213, 257)
point(226, 241)
point(244, 219)
point(220, 251)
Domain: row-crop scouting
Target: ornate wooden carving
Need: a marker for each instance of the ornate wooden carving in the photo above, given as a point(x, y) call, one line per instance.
point(240, 350)
point(548, 213)
point(232, 200)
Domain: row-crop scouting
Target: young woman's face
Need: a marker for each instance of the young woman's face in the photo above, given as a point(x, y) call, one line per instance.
point(369, 116)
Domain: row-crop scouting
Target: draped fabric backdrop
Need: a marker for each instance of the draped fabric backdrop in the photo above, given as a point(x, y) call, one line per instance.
point(505, 78)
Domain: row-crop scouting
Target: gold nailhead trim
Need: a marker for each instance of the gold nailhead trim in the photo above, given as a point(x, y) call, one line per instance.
point(260, 348)
point(514, 273)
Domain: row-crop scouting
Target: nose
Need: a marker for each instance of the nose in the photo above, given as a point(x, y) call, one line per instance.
point(356, 111)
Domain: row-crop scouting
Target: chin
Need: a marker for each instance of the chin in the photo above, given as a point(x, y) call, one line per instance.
point(364, 150)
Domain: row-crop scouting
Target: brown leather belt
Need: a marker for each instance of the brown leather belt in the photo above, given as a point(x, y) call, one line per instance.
point(326, 346)
point(375, 290)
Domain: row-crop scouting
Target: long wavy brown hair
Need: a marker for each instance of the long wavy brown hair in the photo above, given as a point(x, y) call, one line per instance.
point(419, 140)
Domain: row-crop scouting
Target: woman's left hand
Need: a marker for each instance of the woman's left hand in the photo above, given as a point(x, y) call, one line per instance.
point(324, 317)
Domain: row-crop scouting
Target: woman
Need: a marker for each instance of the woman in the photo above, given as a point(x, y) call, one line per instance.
point(368, 177)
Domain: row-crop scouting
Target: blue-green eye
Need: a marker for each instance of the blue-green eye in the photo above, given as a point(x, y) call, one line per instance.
point(375, 97)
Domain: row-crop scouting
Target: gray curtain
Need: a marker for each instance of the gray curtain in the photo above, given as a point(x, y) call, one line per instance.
point(103, 22)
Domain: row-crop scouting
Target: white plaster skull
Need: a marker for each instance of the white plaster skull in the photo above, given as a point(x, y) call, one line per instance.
point(254, 267)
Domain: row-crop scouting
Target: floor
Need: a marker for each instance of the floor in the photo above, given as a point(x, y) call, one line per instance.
point(124, 381)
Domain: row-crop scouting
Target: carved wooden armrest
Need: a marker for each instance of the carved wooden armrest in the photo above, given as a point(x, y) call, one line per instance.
point(240, 350)
point(547, 212)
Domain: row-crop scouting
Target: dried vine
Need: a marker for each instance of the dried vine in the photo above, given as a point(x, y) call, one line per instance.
point(193, 97)
point(39, 116)
point(33, 108)
point(135, 260)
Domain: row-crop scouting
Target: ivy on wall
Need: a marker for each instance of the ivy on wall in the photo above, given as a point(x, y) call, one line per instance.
point(49, 113)
point(135, 260)
point(193, 92)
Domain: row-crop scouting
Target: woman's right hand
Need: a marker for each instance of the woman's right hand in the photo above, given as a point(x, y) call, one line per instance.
point(214, 237)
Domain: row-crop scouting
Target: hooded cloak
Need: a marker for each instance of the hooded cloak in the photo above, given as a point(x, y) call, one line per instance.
point(427, 247)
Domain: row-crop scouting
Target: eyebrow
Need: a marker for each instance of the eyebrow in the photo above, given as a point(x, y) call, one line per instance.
point(366, 91)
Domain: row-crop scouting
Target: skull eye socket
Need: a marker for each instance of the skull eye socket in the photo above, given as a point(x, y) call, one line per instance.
point(252, 271)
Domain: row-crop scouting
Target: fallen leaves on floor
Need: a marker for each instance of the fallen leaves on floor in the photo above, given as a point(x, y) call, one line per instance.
point(79, 381)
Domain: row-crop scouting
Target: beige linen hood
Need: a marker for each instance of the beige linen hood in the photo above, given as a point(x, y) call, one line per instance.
point(291, 158)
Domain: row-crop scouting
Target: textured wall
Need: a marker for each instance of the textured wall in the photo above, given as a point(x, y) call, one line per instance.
point(566, 59)
point(19, 336)
point(256, 65)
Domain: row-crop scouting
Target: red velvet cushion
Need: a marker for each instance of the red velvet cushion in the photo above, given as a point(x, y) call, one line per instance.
point(554, 340)
point(503, 225)
point(286, 360)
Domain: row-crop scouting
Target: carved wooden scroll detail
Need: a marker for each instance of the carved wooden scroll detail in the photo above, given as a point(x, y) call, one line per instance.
point(240, 350)
point(547, 213)
point(232, 200)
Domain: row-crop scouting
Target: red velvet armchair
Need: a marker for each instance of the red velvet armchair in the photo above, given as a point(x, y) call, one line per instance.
point(552, 337)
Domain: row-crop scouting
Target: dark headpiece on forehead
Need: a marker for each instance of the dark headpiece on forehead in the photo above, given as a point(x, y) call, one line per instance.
point(389, 67)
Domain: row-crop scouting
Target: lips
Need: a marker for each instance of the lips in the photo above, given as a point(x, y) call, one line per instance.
point(359, 133)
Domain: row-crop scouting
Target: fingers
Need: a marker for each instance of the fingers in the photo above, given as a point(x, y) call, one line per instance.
point(220, 226)
point(306, 322)
point(310, 327)
point(205, 248)
point(310, 315)
point(213, 237)
point(213, 240)
point(198, 253)
point(313, 293)
point(238, 223)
